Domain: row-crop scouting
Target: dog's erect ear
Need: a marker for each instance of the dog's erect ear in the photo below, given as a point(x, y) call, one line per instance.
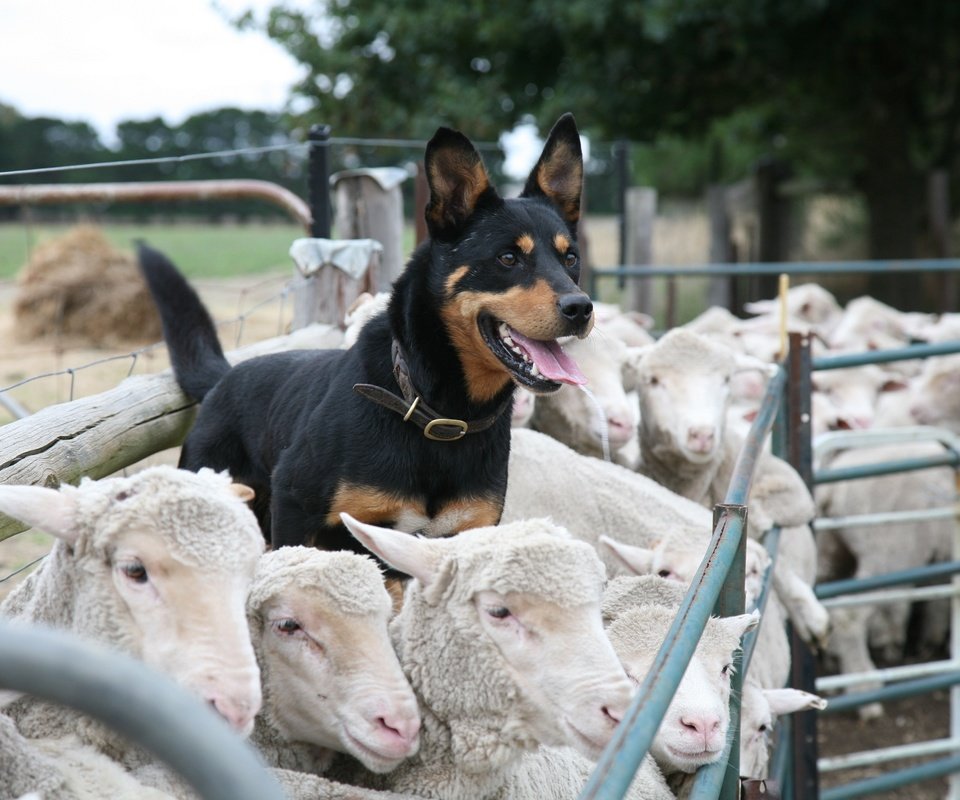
point(457, 180)
point(558, 175)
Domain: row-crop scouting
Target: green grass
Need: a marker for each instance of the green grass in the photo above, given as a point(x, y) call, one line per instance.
point(207, 251)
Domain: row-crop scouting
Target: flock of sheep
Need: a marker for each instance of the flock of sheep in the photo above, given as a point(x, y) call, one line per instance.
point(516, 649)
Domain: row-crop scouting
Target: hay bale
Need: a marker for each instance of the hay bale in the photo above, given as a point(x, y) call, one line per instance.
point(78, 287)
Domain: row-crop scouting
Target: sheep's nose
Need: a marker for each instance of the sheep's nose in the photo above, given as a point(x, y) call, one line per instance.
point(700, 438)
point(702, 727)
point(404, 727)
point(613, 714)
point(576, 307)
point(238, 714)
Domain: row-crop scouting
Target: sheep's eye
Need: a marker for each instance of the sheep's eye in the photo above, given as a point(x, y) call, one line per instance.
point(571, 260)
point(499, 613)
point(762, 728)
point(664, 573)
point(135, 571)
point(286, 626)
point(508, 259)
point(653, 380)
point(727, 669)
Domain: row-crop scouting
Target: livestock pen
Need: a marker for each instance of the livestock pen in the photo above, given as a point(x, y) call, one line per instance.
point(99, 435)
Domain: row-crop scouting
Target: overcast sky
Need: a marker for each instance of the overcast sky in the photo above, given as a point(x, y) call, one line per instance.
point(104, 61)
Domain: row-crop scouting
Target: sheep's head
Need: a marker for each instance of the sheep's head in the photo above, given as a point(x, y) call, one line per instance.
point(759, 710)
point(677, 558)
point(694, 729)
point(684, 386)
point(517, 608)
point(330, 675)
point(164, 561)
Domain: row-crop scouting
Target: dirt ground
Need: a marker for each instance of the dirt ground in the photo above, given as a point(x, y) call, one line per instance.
point(908, 720)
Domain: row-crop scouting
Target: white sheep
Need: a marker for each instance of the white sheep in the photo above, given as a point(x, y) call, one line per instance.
point(501, 638)
point(868, 324)
point(62, 769)
point(694, 729)
point(602, 420)
point(157, 565)
point(876, 550)
point(759, 710)
point(361, 311)
point(809, 307)
point(331, 680)
point(683, 382)
point(590, 497)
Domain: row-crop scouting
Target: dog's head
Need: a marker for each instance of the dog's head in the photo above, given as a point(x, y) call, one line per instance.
point(507, 270)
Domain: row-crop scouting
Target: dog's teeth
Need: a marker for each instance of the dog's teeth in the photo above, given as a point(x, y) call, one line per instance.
point(534, 371)
point(508, 341)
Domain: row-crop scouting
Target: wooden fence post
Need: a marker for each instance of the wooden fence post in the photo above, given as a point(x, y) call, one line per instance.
point(333, 273)
point(369, 205)
point(641, 208)
point(721, 248)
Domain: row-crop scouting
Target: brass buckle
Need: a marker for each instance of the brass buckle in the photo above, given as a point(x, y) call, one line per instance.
point(455, 423)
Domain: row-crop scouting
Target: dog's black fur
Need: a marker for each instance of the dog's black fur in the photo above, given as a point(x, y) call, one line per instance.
point(291, 426)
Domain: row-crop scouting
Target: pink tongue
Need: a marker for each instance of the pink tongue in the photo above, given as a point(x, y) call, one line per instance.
point(553, 363)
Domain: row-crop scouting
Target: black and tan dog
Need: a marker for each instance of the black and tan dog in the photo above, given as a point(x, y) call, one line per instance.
point(410, 427)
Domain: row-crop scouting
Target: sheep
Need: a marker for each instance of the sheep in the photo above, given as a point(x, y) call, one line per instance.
point(157, 565)
point(759, 710)
point(684, 447)
point(638, 612)
point(501, 638)
point(602, 420)
point(331, 680)
point(763, 698)
point(361, 311)
point(62, 769)
point(876, 550)
point(591, 497)
point(868, 324)
point(852, 393)
point(807, 303)
point(524, 404)
point(630, 327)
point(694, 729)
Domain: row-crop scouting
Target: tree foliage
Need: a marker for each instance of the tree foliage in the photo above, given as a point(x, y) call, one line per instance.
point(860, 91)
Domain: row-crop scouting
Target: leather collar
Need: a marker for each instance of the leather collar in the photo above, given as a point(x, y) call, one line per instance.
point(413, 409)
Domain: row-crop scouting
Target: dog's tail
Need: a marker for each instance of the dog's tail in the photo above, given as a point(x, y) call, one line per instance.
point(191, 337)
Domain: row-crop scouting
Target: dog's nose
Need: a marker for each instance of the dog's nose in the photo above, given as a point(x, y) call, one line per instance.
point(576, 307)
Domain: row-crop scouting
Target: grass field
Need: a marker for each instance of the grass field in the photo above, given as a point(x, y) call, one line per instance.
point(200, 250)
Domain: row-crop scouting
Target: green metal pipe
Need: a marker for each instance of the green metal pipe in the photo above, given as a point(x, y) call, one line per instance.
point(891, 780)
point(895, 691)
point(949, 458)
point(776, 268)
point(885, 356)
point(926, 574)
point(620, 759)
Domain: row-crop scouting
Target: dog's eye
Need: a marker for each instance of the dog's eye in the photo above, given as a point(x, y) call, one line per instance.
point(571, 260)
point(508, 259)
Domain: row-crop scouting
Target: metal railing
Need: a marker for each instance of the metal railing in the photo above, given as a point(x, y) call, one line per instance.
point(716, 588)
point(141, 704)
point(901, 681)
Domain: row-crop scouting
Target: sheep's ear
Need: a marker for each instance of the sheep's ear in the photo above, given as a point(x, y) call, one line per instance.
point(741, 623)
point(630, 367)
point(761, 306)
point(747, 363)
point(639, 560)
point(418, 557)
point(786, 701)
point(50, 510)
point(243, 491)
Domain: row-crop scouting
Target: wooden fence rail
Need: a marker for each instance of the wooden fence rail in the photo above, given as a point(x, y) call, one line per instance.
point(96, 436)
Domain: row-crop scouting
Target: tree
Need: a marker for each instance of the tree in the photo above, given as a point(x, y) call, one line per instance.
point(863, 91)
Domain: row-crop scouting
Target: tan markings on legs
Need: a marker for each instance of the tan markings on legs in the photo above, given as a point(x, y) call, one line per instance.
point(463, 514)
point(369, 504)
